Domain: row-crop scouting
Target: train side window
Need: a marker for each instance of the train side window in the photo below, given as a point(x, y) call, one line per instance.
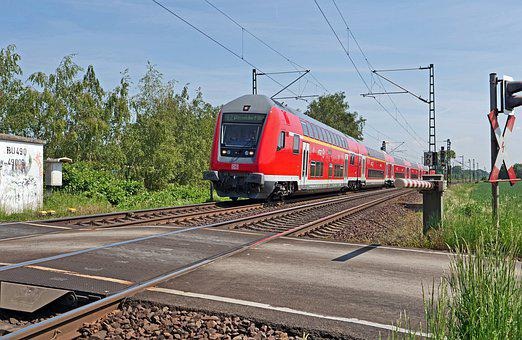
point(339, 171)
point(312, 169)
point(295, 147)
point(313, 130)
point(305, 128)
point(281, 141)
point(352, 159)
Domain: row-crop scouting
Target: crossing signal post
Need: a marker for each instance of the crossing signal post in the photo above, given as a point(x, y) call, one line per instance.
point(510, 98)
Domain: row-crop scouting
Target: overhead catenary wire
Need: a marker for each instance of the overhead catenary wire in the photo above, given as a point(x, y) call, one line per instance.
point(263, 42)
point(415, 135)
point(372, 69)
point(237, 55)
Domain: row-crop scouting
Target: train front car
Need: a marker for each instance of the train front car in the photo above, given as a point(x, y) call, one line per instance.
point(249, 158)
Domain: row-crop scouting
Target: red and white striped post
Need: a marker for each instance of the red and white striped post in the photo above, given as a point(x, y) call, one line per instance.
point(413, 183)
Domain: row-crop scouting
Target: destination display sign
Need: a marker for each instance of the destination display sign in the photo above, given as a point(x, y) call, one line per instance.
point(243, 118)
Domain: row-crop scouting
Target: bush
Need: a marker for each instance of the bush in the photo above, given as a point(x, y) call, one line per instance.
point(84, 178)
point(172, 195)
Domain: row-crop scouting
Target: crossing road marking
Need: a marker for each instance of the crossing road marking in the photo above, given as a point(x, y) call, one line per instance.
point(233, 301)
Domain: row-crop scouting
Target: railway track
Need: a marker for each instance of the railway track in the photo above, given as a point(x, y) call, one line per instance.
point(183, 216)
point(296, 220)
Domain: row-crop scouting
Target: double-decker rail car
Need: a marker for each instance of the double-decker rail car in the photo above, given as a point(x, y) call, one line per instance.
point(262, 149)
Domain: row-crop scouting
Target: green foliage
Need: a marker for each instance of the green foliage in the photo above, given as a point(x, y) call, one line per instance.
point(157, 137)
point(171, 196)
point(468, 216)
point(481, 298)
point(333, 110)
point(83, 178)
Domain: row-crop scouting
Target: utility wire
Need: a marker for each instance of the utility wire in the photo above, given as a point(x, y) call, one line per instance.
point(219, 43)
point(360, 74)
point(244, 29)
point(371, 68)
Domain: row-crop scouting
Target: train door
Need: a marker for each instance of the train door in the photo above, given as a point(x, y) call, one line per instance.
point(363, 169)
point(346, 156)
point(304, 163)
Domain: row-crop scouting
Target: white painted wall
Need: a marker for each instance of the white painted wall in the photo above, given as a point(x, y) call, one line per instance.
point(21, 176)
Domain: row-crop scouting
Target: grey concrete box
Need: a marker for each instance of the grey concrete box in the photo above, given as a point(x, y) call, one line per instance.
point(21, 173)
point(53, 171)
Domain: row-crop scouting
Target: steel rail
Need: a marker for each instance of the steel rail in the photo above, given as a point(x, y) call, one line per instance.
point(183, 230)
point(50, 328)
point(174, 217)
point(342, 214)
point(123, 213)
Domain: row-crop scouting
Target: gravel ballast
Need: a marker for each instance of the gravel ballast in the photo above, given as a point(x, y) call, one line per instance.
point(144, 320)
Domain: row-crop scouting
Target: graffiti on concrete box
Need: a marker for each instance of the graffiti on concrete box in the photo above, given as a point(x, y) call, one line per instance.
point(21, 176)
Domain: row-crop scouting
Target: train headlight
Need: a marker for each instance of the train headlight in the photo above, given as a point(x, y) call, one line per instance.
point(246, 153)
point(223, 152)
point(250, 153)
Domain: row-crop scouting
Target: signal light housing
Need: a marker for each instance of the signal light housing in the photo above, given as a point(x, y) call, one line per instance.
point(510, 99)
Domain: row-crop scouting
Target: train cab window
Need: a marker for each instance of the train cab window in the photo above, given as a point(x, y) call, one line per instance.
point(281, 141)
point(295, 147)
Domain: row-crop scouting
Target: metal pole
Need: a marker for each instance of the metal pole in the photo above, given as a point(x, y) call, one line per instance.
point(254, 81)
point(448, 150)
point(494, 148)
point(211, 191)
point(473, 176)
point(469, 167)
point(462, 169)
point(432, 138)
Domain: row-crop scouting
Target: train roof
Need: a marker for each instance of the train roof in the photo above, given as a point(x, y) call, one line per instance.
point(263, 104)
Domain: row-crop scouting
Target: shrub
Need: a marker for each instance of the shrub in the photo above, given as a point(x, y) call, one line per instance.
point(84, 178)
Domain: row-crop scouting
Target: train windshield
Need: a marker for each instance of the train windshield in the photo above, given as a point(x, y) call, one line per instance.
point(241, 130)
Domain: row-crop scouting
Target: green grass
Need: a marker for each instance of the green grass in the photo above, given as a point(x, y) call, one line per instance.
point(468, 217)
point(60, 201)
point(480, 297)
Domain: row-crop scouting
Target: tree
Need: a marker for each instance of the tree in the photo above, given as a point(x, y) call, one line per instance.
point(157, 137)
point(450, 154)
point(333, 110)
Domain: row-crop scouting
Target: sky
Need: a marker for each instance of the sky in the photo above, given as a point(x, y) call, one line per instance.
point(465, 40)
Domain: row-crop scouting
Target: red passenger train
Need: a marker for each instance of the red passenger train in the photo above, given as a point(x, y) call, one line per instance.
point(263, 149)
